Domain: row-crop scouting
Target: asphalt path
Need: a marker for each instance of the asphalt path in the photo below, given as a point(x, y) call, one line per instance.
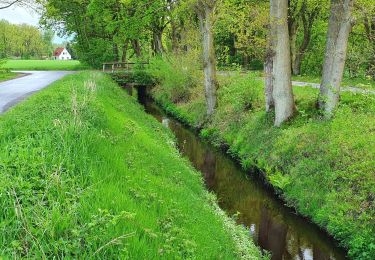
point(14, 91)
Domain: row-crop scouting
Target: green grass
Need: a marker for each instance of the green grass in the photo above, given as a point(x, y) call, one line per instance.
point(325, 169)
point(4, 76)
point(346, 82)
point(86, 173)
point(44, 65)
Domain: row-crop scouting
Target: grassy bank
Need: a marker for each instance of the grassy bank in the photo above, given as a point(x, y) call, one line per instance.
point(43, 65)
point(85, 173)
point(4, 76)
point(346, 82)
point(325, 169)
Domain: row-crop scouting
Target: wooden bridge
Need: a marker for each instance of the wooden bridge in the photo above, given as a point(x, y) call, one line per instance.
point(122, 66)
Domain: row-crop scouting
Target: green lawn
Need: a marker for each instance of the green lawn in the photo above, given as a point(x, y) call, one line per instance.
point(85, 173)
point(325, 169)
point(44, 65)
point(7, 75)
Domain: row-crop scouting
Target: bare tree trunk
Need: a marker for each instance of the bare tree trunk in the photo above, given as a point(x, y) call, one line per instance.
point(339, 26)
point(282, 85)
point(205, 10)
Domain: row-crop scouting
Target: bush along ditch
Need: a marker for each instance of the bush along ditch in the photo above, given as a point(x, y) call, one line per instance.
point(86, 173)
point(324, 169)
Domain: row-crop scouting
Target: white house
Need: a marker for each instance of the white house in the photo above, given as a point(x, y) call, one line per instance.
point(61, 54)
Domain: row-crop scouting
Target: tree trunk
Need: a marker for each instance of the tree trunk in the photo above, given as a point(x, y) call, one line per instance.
point(308, 18)
point(174, 36)
point(137, 48)
point(246, 61)
point(369, 23)
point(125, 50)
point(115, 52)
point(296, 69)
point(268, 68)
point(293, 27)
point(339, 26)
point(282, 84)
point(205, 9)
point(157, 42)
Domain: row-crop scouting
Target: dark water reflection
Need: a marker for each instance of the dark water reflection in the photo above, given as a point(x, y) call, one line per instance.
point(273, 226)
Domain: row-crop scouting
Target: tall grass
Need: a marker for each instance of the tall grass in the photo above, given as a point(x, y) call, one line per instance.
point(85, 173)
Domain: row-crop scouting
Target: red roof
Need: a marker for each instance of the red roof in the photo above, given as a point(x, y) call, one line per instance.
point(58, 51)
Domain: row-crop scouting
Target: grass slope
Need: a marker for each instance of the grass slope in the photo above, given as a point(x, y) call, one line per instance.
point(85, 173)
point(4, 76)
point(326, 169)
point(43, 65)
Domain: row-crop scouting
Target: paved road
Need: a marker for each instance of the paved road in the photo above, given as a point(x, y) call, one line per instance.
point(15, 90)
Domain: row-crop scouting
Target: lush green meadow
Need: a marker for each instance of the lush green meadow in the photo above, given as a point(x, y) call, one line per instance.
point(325, 169)
point(7, 75)
point(43, 65)
point(86, 173)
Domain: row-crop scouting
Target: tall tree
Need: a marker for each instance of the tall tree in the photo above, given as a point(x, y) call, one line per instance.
point(205, 11)
point(339, 26)
point(302, 13)
point(282, 86)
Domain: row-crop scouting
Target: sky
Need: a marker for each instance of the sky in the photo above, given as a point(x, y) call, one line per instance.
point(20, 15)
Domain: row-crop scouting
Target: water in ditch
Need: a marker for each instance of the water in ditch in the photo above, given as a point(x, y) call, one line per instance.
point(273, 226)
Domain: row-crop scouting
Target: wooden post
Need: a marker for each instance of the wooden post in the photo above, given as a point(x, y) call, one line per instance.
point(103, 67)
point(113, 67)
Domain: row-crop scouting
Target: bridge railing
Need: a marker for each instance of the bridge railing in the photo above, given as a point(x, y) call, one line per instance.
point(121, 66)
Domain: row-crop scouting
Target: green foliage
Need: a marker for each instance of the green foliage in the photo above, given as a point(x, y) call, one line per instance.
point(177, 76)
point(85, 173)
point(240, 32)
point(23, 41)
point(324, 169)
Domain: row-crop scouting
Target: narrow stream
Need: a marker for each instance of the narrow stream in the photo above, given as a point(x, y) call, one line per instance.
point(273, 226)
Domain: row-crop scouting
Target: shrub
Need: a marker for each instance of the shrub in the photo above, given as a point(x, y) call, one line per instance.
point(175, 76)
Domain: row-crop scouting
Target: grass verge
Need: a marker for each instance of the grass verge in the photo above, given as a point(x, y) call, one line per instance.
point(4, 76)
point(346, 82)
point(325, 169)
point(86, 173)
point(43, 65)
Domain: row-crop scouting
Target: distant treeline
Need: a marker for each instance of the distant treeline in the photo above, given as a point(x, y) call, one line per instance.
point(24, 41)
